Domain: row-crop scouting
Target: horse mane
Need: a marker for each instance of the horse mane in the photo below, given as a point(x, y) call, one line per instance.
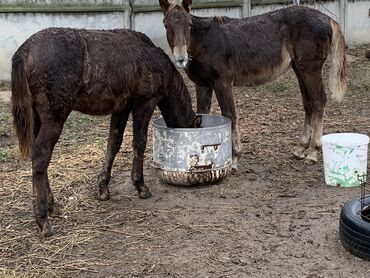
point(144, 38)
point(221, 19)
point(178, 85)
point(202, 22)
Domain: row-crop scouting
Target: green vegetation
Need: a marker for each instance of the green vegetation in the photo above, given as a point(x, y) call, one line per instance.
point(78, 129)
point(84, 128)
point(5, 155)
point(5, 120)
point(4, 85)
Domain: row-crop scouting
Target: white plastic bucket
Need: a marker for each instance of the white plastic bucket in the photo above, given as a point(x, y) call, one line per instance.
point(345, 158)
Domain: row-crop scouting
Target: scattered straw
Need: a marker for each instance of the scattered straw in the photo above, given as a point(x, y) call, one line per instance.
point(271, 127)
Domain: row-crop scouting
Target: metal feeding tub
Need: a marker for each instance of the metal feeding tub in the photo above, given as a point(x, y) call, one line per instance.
point(193, 156)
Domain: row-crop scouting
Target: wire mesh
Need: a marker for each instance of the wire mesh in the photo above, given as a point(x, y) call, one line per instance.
point(364, 199)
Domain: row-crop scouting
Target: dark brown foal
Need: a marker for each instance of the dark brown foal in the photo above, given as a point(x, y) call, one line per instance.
point(96, 72)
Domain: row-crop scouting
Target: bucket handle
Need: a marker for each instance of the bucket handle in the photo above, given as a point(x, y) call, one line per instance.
point(215, 146)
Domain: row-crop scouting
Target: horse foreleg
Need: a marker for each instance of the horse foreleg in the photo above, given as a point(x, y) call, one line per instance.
point(304, 141)
point(141, 117)
point(117, 128)
point(225, 98)
point(41, 154)
point(204, 99)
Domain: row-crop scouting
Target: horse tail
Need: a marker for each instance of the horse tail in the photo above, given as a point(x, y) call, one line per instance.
point(338, 70)
point(21, 102)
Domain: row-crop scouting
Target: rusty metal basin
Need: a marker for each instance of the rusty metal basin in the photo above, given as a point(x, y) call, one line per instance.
point(193, 156)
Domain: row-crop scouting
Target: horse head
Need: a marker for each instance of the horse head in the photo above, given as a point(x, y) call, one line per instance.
point(177, 21)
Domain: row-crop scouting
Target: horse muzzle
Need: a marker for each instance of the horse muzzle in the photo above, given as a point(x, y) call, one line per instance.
point(181, 60)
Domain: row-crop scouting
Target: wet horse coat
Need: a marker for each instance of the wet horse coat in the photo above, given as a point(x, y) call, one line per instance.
point(220, 52)
point(96, 72)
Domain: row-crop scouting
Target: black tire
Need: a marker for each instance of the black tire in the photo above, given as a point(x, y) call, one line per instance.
point(367, 53)
point(354, 231)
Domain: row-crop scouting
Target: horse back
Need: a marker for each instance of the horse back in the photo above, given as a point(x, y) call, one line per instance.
point(94, 71)
point(252, 51)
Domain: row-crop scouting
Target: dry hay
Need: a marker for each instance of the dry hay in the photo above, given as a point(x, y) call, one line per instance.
point(84, 219)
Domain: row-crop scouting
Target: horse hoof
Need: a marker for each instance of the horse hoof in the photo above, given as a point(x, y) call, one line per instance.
point(55, 210)
point(234, 170)
point(298, 154)
point(47, 230)
point(145, 194)
point(103, 196)
point(310, 160)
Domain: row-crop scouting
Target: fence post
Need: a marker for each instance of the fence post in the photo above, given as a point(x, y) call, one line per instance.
point(343, 11)
point(246, 8)
point(127, 20)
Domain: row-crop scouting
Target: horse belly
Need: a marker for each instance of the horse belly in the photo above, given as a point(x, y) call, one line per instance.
point(254, 79)
point(260, 74)
point(100, 104)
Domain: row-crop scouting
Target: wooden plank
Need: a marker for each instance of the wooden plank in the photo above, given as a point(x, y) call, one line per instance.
point(85, 7)
point(60, 8)
point(199, 5)
point(343, 11)
point(247, 8)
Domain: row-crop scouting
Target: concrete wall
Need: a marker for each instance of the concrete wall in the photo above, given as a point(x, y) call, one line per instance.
point(16, 28)
point(19, 18)
point(357, 21)
point(152, 23)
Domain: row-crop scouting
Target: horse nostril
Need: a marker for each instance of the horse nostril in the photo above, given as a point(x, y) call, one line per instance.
point(181, 60)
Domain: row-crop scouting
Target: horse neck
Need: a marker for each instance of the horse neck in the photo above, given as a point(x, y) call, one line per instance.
point(200, 21)
point(176, 105)
point(199, 28)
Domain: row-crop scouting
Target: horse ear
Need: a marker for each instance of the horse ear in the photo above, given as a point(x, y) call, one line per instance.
point(164, 5)
point(197, 121)
point(187, 4)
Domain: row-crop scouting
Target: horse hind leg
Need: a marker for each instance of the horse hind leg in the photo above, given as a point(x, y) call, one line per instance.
point(53, 207)
point(317, 96)
point(117, 128)
point(305, 138)
point(317, 127)
point(43, 200)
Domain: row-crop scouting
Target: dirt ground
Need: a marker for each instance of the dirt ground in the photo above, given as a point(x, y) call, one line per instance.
point(275, 218)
